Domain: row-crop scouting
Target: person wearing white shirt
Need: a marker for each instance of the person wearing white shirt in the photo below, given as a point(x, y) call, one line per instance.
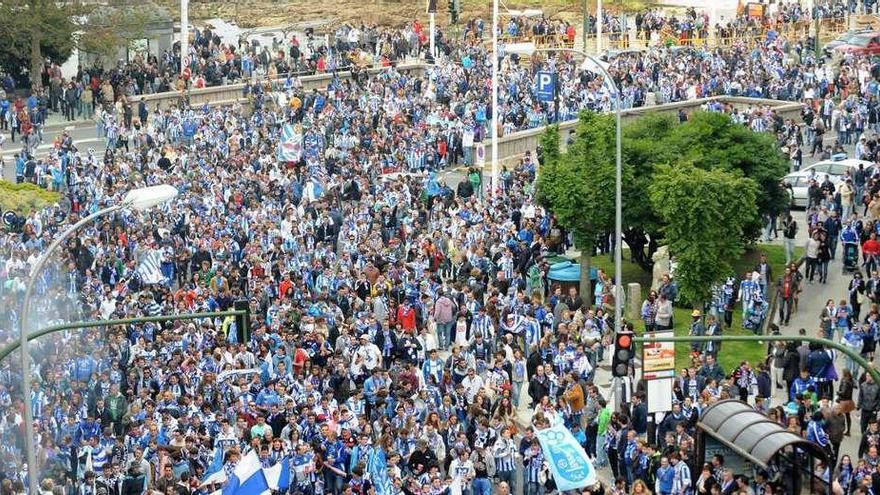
point(461, 470)
point(108, 306)
point(472, 384)
point(368, 354)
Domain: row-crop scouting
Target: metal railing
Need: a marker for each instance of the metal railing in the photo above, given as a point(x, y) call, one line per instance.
point(854, 355)
point(9, 349)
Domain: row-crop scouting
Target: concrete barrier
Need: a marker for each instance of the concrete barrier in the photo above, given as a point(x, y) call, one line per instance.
point(221, 95)
point(515, 145)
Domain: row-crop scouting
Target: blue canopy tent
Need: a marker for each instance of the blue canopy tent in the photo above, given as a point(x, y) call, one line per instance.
point(565, 273)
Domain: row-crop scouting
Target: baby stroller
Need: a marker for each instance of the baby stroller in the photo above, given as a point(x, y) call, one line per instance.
point(850, 256)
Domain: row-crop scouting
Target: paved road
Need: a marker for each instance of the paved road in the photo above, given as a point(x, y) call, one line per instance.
point(84, 137)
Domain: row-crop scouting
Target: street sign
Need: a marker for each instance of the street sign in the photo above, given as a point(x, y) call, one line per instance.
point(658, 358)
point(545, 86)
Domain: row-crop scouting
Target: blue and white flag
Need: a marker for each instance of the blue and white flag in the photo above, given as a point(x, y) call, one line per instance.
point(225, 375)
point(568, 462)
point(150, 268)
point(291, 144)
point(248, 478)
point(216, 464)
point(278, 476)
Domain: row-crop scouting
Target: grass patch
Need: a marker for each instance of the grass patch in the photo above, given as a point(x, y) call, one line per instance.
point(21, 198)
point(732, 353)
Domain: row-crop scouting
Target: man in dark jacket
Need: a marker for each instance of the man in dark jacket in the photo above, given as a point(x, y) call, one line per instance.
point(711, 370)
point(465, 189)
point(422, 458)
point(835, 425)
point(818, 362)
point(639, 414)
point(869, 400)
point(135, 482)
point(539, 386)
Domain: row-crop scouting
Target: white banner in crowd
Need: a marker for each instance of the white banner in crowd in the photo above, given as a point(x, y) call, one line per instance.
point(481, 154)
point(150, 268)
point(568, 461)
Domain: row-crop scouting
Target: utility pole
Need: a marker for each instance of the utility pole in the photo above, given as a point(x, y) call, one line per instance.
point(432, 9)
point(586, 25)
point(598, 28)
point(494, 125)
point(184, 35)
point(814, 11)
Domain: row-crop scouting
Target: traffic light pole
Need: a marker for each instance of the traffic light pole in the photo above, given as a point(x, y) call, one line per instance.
point(855, 356)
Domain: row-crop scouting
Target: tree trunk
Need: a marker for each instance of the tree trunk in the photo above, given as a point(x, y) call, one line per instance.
point(636, 240)
point(36, 71)
point(584, 291)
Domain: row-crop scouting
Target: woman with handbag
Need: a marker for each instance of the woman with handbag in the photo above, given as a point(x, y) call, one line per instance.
point(845, 397)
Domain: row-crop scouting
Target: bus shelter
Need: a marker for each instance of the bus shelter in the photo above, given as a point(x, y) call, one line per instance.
point(750, 442)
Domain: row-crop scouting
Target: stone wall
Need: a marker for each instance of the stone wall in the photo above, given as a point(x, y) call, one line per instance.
point(230, 93)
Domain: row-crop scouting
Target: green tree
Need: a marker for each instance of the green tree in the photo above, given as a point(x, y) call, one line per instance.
point(114, 27)
point(642, 140)
point(38, 30)
point(34, 30)
point(707, 140)
point(549, 143)
point(705, 213)
point(578, 187)
point(712, 140)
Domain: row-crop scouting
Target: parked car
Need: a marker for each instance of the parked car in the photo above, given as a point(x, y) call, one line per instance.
point(843, 39)
point(838, 165)
point(800, 185)
point(835, 169)
point(861, 44)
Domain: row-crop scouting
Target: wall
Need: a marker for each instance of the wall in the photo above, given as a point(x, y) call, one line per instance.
point(224, 95)
point(515, 145)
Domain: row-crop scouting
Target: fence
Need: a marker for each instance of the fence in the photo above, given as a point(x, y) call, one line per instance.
point(540, 40)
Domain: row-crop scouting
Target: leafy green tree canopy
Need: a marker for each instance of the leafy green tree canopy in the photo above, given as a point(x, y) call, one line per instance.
point(34, 30)
point(578, 186)
point(38, 30)
point(705, 213)
point(711, 140)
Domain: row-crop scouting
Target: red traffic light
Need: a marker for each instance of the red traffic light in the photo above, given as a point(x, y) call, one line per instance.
point(624, 340)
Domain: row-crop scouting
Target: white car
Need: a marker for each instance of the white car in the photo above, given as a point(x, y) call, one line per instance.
point(800, 185)
point(837, 166)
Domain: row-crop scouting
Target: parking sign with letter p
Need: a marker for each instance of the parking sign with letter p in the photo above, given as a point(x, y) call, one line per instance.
point(545, 86)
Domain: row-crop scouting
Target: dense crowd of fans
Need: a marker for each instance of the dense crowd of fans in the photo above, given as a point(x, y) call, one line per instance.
point(404, 335)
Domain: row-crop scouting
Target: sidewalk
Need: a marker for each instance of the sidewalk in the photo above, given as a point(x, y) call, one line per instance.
point(56, 121)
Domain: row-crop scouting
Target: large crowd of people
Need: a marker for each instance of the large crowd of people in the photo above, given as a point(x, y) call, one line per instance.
point(778, 69)
point(404, 337)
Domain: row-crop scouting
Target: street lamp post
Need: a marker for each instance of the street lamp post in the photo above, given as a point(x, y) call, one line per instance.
point(493, 132)
point(529, 49)
point(137, 199)
point(184, 36)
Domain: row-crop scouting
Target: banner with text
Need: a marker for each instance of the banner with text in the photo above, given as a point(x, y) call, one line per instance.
point(568, 462)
